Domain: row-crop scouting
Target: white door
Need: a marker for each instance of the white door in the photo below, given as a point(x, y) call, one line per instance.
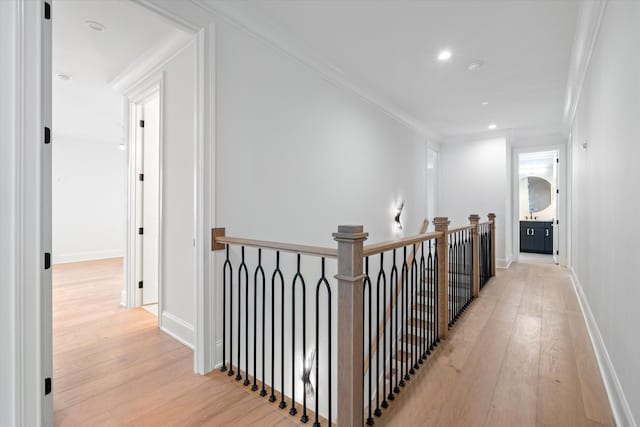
point(556, 222)
point(150, 180)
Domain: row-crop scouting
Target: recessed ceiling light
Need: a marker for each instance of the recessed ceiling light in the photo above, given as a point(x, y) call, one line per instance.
point(95, 26)
point(444, 55)
point(475, 65)
point(63, 76)
point(485, 103)
point(492, 126)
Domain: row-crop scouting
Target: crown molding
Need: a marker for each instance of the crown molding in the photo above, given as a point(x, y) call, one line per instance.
point(153, 59)
point(590, 16)
point(243, 16)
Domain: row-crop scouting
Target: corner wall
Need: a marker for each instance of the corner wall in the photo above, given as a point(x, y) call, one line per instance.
point(475, 178)
point(605, 203)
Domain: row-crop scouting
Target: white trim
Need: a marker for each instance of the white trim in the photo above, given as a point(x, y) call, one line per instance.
point(177, 328)
point(152, 61)
point(562, 229)
point(133, 96)
point(194, 18)
point(590, 16)
point(504, 264)
point(617, 399)
point(86, 256)
point(244, 18)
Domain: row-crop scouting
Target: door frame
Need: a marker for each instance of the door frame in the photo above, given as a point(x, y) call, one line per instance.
point(135, 95)
point(30, 351)
point(561, 200)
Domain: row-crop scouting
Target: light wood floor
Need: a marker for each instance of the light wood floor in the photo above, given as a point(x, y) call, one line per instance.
point(520, 356)
point(114, 367)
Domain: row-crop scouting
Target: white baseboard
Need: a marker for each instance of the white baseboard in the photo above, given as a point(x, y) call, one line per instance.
point(86, 256)
point(619, 404)
point(218, 353)
point(178, 329)
point(504, 263)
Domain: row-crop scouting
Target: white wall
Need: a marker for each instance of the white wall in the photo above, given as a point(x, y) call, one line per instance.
point(605, 204)
point(297, 155)
point(474, 178)
point(8, 279)
point(178, 256)
point(89, 197)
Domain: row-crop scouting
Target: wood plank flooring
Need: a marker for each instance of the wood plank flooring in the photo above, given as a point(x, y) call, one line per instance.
point(114, 367)
point(519, 356)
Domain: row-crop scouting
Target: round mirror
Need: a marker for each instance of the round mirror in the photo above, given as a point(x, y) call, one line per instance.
point(539, 193)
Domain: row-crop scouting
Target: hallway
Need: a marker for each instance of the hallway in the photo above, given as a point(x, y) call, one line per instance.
point(520, 356)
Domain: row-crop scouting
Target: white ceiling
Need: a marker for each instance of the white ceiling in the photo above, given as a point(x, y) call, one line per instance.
point(389, 48)
point(86, 107)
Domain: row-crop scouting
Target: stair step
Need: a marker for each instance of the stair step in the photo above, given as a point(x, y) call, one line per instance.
point(408, 337)
point(423, 324)
point(401, 355)
point(426, 308)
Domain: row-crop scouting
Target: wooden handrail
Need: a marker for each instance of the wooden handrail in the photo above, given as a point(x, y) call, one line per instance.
point(466, 227)
point(283, 247)
point(388, 245)
point(377, 248)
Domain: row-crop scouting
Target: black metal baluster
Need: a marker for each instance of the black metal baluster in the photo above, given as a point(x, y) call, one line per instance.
point(423, 320)
point(323, 280)
point(393, 277)
point(432, 296)
point(278, 273)
point(296, 278)
point(414, 344)
point(367, 285)
point(243, 267)
point(383, 276)
point(227, 264)
point(396, 388)
point(437, 293)
point(259, 269)
point(377, 412)
point(404, 375)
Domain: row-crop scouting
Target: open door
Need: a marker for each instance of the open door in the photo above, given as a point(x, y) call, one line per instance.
point(148, 203)
point(556, 222)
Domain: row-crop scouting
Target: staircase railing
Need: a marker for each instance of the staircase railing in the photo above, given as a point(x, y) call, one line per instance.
point(325, 330)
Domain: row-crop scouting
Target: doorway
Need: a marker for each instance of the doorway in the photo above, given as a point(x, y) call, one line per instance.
point(537, 205)
point(145, 152)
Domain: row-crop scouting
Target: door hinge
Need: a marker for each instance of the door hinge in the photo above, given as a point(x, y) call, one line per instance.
point(47, 260)
point(47, 386)
point(140, 284)
point(140, 230)
point(47, 135)
point(141, 123)
point(558, 160)
point(47, 10)
point(140, 177)
point(557, 252)
point(557, 222)
point(557, 191)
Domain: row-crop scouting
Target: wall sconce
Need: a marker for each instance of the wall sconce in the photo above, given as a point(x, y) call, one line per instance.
point(398, 214)
point(306, 373)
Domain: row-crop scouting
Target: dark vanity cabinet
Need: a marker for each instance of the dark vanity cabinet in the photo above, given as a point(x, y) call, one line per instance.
point(536, 236)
